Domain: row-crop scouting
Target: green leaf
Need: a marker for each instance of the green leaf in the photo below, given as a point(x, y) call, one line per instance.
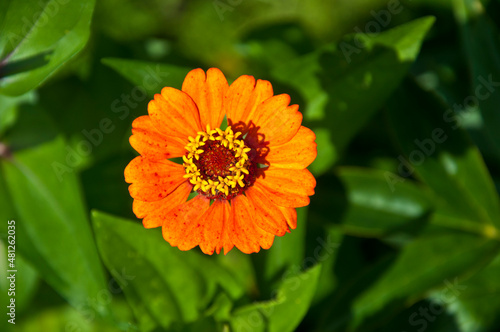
point(301, 73)
point(343, 88)
point(149, 77)
point(66, 318)
point(358, 85)
point(429, 262)
point(240, 268)
point(478, 305)
point(287, 251)
point(461, 237)
point(53, 224)
point(482, 48)
point(327, 153)
point(162, 284)
point(375, 209)
point(38, 37)
point(440, 154)
point(285, 311)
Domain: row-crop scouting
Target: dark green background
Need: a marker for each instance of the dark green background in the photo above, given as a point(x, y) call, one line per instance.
point(403, 233)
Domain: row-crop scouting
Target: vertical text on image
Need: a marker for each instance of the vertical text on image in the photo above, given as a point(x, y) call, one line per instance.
point(11, 270)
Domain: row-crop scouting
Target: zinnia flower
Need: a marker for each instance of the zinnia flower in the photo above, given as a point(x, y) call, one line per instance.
point(245, 180)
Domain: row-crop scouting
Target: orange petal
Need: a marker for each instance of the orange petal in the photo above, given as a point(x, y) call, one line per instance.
point(150, 143)
point(290, 216)
point(153, 180)
point(214, 220)
point(228, 230)
point(182, 224)
point(287, 187)
point(275, 121)
point(208, 93)
point(298, 153)
point(154, 213)
point(243, 97)
point(243, 232)
point(174, 113)
point(267, 215)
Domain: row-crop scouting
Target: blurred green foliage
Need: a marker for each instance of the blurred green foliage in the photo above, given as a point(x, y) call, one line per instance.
point(403, 233)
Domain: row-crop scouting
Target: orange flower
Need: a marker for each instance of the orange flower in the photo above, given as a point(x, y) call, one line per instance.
point(248, 178)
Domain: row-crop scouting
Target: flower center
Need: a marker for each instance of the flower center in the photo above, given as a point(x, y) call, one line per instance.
point(217, 163)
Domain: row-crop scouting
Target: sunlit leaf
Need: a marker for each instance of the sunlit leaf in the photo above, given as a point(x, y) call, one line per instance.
point(440, 153)
point(477, 305)
point(375, 208)
point(52, 220)
point(286, 251)
point(38, 37)
point(287, 308)
point(163, 284)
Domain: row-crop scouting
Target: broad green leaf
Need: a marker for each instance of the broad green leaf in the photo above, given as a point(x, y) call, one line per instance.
point(143, 270)
point(285, 310)
point(240, 268)
point(163, 284)
point(38, 37)
point(375, 208)
point(482, 48)
point(53, 224)
point(444, 222)
point(287, 251)
point(440, 154)
point(460, 237)
point(148, 77)
point(343, 88)
point(478, 304)
point(67, 318)
point(359, 84)
point(302, 74)
point(429, 262)
point(327, 153)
